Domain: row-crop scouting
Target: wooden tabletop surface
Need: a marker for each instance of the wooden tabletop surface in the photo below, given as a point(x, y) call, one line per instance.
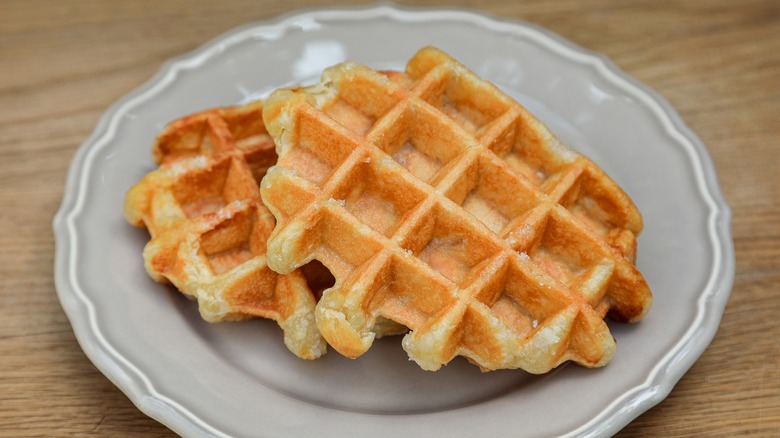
point(63, 63)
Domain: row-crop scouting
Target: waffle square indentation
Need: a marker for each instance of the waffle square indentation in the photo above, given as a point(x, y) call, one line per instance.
point(318, 151)
point(234, 240)
point(399, 282)
point(210, 189)
point(564, 251)
point(370, 193)
point(449, 244)
point(492, 193)
point(471, 104)
point(360, 103)
point(420, 141)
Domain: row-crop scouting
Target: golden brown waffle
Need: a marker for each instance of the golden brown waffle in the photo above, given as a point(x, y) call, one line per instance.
point(440, 203)
point(209, 226)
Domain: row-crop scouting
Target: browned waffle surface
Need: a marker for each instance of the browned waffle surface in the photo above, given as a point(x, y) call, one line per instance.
point(438, 202)
point(209, 226)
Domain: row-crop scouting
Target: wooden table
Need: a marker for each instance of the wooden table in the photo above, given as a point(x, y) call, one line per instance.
point(63, 63)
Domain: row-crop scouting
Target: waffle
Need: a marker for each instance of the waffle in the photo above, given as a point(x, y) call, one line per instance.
point(209, 227)
point(439, 203)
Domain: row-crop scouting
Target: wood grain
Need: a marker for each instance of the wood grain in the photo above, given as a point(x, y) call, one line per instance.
point(63, 63)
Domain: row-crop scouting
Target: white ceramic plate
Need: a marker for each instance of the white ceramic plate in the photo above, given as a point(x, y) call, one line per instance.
point(238, 378)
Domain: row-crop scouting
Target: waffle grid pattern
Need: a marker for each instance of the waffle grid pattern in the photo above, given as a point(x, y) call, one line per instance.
point(209, 226)
point(440, 203)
